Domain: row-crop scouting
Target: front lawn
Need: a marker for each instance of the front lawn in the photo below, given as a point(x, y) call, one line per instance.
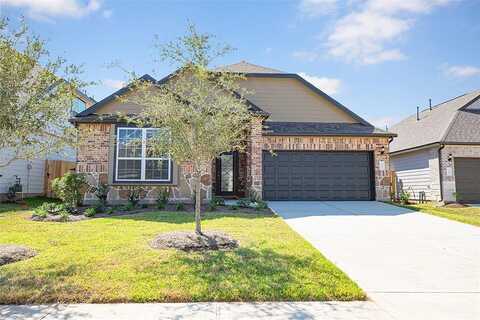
point(470, 215)
point(109, 260)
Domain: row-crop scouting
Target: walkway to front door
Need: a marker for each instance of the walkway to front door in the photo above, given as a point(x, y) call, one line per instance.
point(413, 265)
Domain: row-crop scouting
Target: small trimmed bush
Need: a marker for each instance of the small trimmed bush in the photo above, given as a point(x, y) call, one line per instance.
point(69, 188)
point(134, 195)
point(101, 192)
point(260, 205)
point(180, 206)
point(405, 197)
point(218, 201)
point(163, 196)
point(128, 207)
point(90, 212)
point(244, 202)
point(212, 205)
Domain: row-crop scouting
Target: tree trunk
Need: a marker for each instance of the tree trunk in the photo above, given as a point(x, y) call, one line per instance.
point(198, 205)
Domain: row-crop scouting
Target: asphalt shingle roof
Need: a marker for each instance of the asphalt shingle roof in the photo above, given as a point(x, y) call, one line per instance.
point(246, 67)
point(444, 123)
point(319, 128)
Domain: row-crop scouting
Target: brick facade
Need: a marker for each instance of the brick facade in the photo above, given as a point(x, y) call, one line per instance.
point(95, 159)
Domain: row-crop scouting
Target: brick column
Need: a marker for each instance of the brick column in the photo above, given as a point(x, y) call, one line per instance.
point(92, 155)
point(254, 156)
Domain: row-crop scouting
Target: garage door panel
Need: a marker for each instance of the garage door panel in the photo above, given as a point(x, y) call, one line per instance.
point(317, 175)
point(467, 179)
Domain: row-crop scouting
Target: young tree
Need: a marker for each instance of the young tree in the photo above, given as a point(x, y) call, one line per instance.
point(201, 113)
point(36, 95)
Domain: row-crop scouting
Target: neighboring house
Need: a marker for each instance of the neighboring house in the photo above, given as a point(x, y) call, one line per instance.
point(323, 151)
point(438, 152)
point(31, 173)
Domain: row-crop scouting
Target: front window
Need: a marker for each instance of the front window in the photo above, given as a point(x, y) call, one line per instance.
point(136, 161)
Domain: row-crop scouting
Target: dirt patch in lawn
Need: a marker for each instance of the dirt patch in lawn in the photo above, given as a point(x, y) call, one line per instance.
point(190, 241)
point(12, 253)
point(455, 205)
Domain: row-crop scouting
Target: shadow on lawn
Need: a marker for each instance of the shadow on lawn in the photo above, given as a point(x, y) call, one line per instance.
point(247, 274)
point(48, 286)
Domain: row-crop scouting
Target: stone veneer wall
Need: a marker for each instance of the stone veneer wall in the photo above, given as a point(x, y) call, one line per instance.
point(95, 159)
point(254, 157)
point(448, 167)
point(379, 146)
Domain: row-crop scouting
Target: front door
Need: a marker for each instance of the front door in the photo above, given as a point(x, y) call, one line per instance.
point(226, 174)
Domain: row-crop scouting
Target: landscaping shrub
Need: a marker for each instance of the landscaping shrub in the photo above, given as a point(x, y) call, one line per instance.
point(405, 197)
point(212, 205)
point(69, 188)
point(39, 212)
point(218, 201)
point(134, 196)
point(90, 212)
point(180, 206)
point(260, 205)
point(128, 206)
point(50, 208)
point(163, 196)
point(101, 192)
point(244, 202)
point(109, 211)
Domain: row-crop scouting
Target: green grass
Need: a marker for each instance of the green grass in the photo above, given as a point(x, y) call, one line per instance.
point(470, 215)
point(109, 260)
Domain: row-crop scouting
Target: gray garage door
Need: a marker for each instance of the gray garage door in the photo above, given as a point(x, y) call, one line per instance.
point(467, 179)
point(317, 175)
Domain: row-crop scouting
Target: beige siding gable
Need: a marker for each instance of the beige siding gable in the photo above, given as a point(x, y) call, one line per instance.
point(287, 99)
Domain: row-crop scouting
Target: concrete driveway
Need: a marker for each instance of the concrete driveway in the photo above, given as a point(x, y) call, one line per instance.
point(413, 265)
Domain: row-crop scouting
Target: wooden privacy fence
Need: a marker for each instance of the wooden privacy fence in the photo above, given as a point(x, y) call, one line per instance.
point(55, 169)
point(393, 185)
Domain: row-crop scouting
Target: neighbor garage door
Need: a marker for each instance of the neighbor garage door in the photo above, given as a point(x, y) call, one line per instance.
point(317, 175)
point(467, 179)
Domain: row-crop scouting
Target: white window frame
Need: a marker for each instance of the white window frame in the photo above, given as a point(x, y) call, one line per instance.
point(143, 157)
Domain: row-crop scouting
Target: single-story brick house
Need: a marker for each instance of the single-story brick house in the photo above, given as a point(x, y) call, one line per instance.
point(437, 152)
point(323, 151)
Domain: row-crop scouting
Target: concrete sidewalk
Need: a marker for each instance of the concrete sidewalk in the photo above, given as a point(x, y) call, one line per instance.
point(357, 310)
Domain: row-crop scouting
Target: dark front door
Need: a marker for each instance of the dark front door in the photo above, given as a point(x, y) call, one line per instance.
point(318, 175)
point(226, 174)
point(467, 179)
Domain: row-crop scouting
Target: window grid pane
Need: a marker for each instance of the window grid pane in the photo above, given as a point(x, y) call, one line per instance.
point(130, 143)
point(133, 160)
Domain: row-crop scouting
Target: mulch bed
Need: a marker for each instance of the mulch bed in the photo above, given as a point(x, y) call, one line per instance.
point(12, 253)
point(191, 241)
point(168, 207)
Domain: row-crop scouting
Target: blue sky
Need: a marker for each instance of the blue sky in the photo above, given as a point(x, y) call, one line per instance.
point(380, 58)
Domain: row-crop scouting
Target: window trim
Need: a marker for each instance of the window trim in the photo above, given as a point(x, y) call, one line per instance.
point(143, 159)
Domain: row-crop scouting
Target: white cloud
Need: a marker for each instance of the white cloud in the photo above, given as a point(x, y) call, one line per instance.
point(327, 85)
point(462, 71)
point(45, 9)
point(313, 8)
point(114, 84)
point(367, 34)
point(107, 14)
point(308, 56)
